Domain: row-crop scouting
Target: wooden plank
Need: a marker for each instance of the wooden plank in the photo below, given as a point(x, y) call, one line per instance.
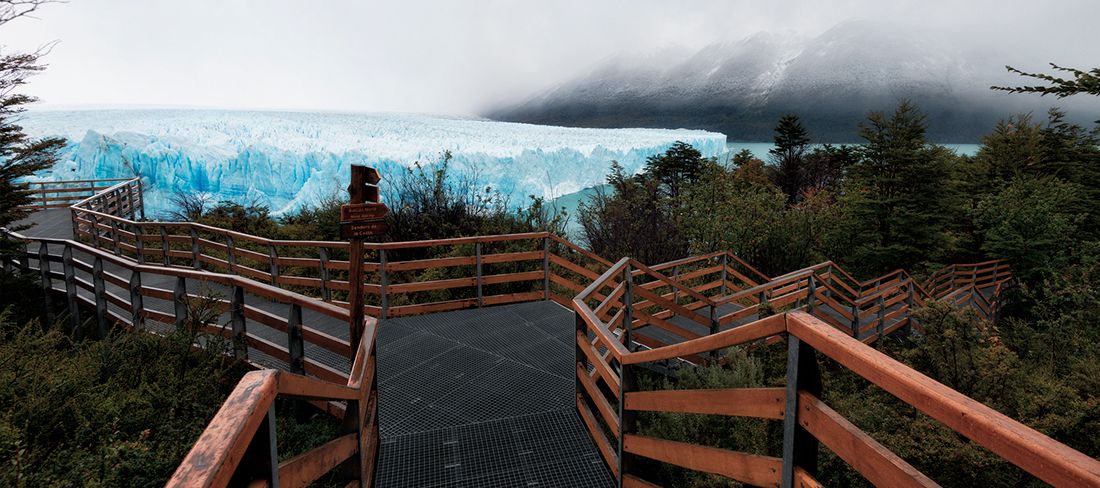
point(670, 305)
point(555, 259)
point(296, 385)
point(643, 317)
point(871, 459)
point(1043, 457)
point(600, 365)
point(610, 416)
point(765, 327)
point(765, 403)
point(631, 481)
point(602, 444)
point(305, 468)
point(747, 468)
point(803, 479)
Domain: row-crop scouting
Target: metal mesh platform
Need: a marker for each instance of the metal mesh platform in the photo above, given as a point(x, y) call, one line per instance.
point(482, 397)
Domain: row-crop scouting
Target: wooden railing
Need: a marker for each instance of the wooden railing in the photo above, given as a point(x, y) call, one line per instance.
point(608, 398)
point(238, 446)
point(233, 447)
point(62, 194)
point(402, 278)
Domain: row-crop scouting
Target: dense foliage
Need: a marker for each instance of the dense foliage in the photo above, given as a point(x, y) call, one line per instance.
point(1031, 195)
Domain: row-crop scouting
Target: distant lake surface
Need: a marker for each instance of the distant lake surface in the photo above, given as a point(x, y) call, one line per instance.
point(760, 149)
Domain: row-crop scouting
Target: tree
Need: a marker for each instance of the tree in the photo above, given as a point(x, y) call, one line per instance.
point(899, 196)
point(20, 155)
point(637, 219)
point(791, 141)
point(676, 167)
point(1087, 82)
point(1032, 224)
point(823, 168)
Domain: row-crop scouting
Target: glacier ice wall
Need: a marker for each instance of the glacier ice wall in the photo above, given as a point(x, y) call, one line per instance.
point(288, 160)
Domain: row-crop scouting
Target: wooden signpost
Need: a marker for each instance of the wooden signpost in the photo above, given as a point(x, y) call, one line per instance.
point(361, 219)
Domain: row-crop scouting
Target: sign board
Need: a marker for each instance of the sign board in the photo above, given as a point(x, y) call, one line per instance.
point(363, 229)
point(362, 211)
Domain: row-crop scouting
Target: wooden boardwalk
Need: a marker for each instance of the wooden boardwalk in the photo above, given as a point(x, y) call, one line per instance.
point(460, 402)
point(522, 372)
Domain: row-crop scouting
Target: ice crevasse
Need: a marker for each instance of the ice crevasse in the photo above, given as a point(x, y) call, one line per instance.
point(287, 160)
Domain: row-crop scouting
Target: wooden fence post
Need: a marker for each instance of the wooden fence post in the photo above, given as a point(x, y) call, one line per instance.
point(725, 276)
point(881, 317)
point(545, 268)
point(195, 263)
point(137, 302)
point(47, 285)
point(115, 238)
point(326, 293)
point(799, 446)
point(477, 273)
point(295, 341)
point(383, 283)
point(230, 252)
point(261, 458)
point(273, 253)
point(628, 306)
point(811, 295)
point(855, 317)
point(909, 307)
point(237, 323)
point(164, 244)
point(141, 198)
point(139, 243)
point(100, 291)
point(179, 296)
point(627, 420)
point(70, 292)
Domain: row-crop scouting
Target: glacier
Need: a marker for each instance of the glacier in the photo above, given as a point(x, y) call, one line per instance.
point(289, 160)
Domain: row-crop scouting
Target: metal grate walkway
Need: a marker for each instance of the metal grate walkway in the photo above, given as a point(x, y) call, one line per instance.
point(483, 397)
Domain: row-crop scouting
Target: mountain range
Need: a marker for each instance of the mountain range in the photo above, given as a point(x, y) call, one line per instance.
point(831, 81)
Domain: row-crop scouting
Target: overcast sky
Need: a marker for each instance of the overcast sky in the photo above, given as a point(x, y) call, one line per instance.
point(449, 56)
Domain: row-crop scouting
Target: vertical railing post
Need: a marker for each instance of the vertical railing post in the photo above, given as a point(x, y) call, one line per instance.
point(477, 271)
point(230, 252)
point(855, 318)
point(139, 243)
point(273, 253)
point(47, 284)
point(628, 307)
point(137, 302)
point(237, 323)
point(910, 293)
point(725, 275)
point(100, 291)
point(164, 245)
point(141, 198)
point(70, 292)
point(261, 458)
point(179, 296)
point(195, 263)
point(383, 284)
point(881, 317)
point(627, 420)
point(676, 278)
point(545, 268)
point(115, 238)
point(295, 341)
point(811, 295)
point(799, 446)
point(95, 230)
point(326, 293)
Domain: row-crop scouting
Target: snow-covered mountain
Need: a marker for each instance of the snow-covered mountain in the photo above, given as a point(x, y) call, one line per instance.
point(291, 159)
point(831, 80)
